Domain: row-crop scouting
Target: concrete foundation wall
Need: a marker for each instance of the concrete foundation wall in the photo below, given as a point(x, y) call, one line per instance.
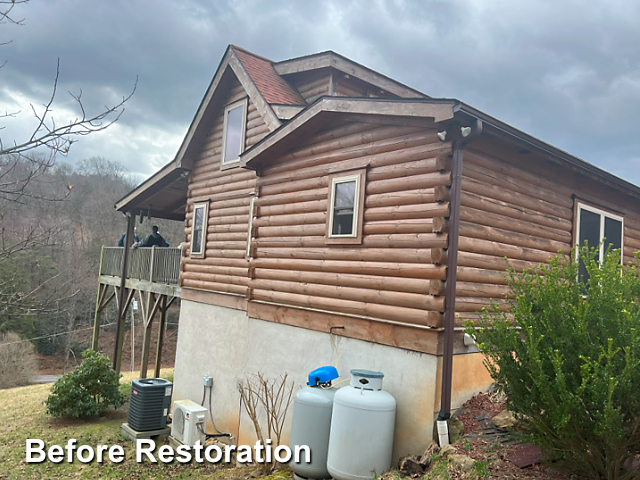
point(228, 345)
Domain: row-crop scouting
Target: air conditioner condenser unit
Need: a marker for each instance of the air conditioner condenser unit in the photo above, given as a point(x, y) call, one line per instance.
point(189, 422)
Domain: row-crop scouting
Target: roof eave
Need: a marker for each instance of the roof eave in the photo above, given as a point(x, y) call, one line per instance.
point(348, 66)
point(545, 148)
point(438, 109)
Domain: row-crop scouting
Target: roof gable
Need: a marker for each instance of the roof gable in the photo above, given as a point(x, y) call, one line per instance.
point(328, 108)
point(198, 130)
point(230, 61)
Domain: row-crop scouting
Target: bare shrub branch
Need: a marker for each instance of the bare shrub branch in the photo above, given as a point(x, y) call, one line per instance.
point(273, 396)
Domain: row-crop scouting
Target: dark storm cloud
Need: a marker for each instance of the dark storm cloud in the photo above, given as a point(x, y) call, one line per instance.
point(566, 72)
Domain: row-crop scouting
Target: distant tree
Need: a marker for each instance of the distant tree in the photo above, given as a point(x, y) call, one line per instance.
point(47, 137)
point(43, 261)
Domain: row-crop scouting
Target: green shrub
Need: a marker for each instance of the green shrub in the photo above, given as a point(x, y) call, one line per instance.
point(88, 390)
point(571, 369)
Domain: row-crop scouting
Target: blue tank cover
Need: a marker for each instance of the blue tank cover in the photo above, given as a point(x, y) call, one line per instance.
point(322, 375)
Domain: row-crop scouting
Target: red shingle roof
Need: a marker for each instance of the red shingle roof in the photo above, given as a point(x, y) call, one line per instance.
point(274, 88)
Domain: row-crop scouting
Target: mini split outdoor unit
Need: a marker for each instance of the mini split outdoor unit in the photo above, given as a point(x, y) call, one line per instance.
point(149, 404)
point(189, 422)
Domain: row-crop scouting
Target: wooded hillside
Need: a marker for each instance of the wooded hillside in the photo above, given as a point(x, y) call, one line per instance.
point(51, 231)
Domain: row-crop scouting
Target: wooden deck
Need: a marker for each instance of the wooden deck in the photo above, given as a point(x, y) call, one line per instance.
point(153, 273)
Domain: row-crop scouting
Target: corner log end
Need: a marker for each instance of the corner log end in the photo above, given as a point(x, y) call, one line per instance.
point(441, 193)
point(439, 256)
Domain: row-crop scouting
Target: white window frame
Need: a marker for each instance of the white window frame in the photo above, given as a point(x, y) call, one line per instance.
point(603, 214)
point(356, 231)
point(203, 241)
point(224, 162)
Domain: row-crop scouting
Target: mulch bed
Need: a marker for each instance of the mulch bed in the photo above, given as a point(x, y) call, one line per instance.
point(482, 404)
point(506, 460)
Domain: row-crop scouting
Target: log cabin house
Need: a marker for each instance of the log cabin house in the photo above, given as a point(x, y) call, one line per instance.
point(317, 193)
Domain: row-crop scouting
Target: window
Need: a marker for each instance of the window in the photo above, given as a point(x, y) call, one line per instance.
point(346, 202)
point(594, 226)
point(199, 230)
point(235, 119)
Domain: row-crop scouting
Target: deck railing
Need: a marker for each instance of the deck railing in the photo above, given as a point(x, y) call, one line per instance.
point(153, 264)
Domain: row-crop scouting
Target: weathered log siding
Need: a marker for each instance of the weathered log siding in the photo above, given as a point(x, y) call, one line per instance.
point(325, 82)
point(521, 214)
point(354, 87)
point(224, 268)
point(393, 274)
point(313, 85)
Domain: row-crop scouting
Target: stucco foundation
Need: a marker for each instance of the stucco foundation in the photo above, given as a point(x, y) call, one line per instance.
point(228, 345)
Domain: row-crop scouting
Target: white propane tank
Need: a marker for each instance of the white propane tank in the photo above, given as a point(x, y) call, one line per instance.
point(361, 438)
point(311, 423)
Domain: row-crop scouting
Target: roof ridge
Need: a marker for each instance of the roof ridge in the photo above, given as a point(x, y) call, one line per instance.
point(310, 55)
point(235, 47)
point(332, 53)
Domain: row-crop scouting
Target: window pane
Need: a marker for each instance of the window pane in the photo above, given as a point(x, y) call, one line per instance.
point(343, 223)
point(343, 208)
point(590, 233)
point(233, 135)
point(199, 218)
point(345, 194)
point(612, 233)
point(198, 223)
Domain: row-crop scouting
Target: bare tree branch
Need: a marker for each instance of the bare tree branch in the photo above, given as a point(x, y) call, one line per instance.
point(6, 6)
point(58, 139)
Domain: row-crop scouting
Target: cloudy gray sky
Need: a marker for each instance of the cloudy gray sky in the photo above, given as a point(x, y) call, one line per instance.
point(567, 72)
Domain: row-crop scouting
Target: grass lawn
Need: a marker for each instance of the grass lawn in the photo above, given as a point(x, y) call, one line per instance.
point(22, 416)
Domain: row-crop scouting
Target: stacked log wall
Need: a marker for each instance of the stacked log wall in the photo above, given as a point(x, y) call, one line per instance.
point(523, 215)
point(397, 273)
point(225, 266)
point(325, 82)
point(313, 85)
point(347, 86)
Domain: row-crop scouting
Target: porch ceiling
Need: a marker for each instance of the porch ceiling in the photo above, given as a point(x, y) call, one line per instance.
point(162, 196)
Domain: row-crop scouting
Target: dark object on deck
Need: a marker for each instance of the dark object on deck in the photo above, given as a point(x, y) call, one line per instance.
point(153, 239)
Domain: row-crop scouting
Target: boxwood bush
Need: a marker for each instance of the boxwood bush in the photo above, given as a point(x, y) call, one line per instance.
point(87, 391)
point(571, 367)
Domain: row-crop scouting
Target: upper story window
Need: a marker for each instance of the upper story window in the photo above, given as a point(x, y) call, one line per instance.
point(199, 230)
point(235, 120)
point(346, 204)
point(598, 228)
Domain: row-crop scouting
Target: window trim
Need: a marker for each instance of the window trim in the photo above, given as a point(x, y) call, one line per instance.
point(244, 103)
point(358, 208)
point(205, 221)
point(580, 205)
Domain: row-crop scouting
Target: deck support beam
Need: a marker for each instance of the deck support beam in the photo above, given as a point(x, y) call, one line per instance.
point(156, 285)
point(117, 354)
point(161, 330)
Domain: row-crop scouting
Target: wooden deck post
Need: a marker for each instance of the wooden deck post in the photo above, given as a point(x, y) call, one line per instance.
point(96, 319)
point(151, 262)
point(149, 313)
point(128, 239)
point(161, 328)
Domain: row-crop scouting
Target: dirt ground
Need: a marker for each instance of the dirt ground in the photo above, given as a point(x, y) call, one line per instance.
point(499, 457)
point(55, 364)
